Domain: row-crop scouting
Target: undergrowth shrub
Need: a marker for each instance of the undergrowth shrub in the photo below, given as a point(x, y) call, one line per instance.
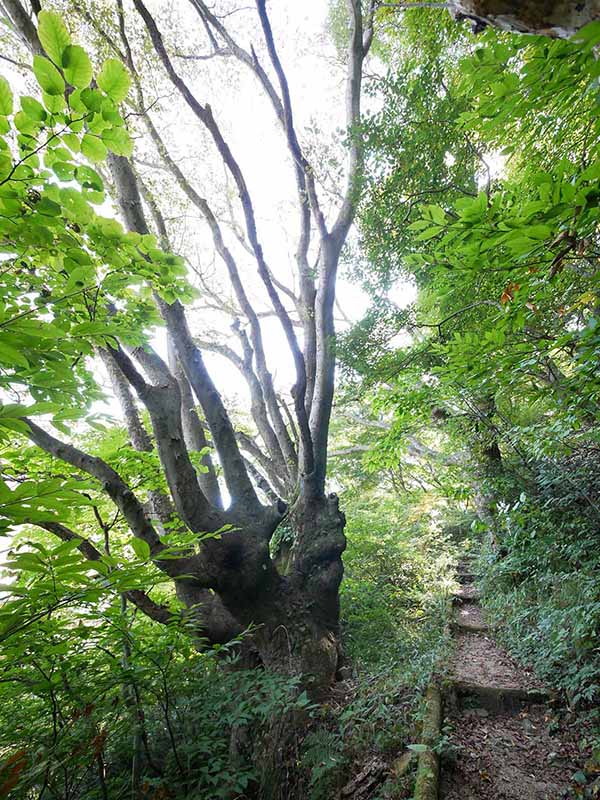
point(542, 580)
point(107, 711)
point(108, 702)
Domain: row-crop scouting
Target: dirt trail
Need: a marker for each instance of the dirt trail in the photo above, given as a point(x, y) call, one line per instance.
point(505, 742)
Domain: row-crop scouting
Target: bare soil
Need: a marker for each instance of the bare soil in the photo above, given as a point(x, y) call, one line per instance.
point(478, 660)
point(509, 757)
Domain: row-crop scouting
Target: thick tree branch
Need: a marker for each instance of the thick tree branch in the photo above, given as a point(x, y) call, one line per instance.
point(356, 56)
point(23, 25)
point(193, 432)
point(330, 254)
point(163, 401)
point(238, 483)
point(237, 480)
point(258, 406)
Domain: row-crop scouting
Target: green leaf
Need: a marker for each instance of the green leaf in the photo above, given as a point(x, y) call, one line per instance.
point(11, 356)
point(48, 77)
point(54, 103)
point(91, 99)
point(53, 35)
point(75, 205)
point(89, 178)
point(117, 140)
point(72, 142)
point(539, 231)
point(418, 748)
point(140, 548)
point(48, 207)
point(25, 124)
point(428, 234)
point(93, 148)
point(437, 214)
point(6, 98)
point(77, 66)
point(63, 170)
point(33, 108)
point(114, 80)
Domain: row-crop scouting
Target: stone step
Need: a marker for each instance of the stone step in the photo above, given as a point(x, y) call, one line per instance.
point(467, 594)
point(470, 627)
point(495, 699)
point(468, 617)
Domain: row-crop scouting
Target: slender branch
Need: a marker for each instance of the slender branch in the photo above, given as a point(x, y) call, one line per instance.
point(248, 444)
point(262, 483)
point(149, 607)
point(204, 114)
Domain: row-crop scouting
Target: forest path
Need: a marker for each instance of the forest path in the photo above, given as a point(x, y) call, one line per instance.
point(505, 743)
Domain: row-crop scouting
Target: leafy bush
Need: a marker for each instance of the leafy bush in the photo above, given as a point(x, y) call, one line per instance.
point(541, 580)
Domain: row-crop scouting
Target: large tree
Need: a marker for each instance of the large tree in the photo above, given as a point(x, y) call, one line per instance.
point(230, 580)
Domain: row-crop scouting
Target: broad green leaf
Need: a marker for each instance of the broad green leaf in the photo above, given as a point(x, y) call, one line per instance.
point(117, 140)
point(114, 80)
point(93, 147)
point(11, 356)
point(53, 35)
point(25, 123)
point(63, 170)
point(33, 108)
point(6, 98)
point(54, 103)
point(48, 77)
point(428, 234)
point(48, 207)
point(91, 99)
point(74, 203)
point(72, 141)
point(438, 214)
point(89, 178)
point(140, 548)
point(77, 66)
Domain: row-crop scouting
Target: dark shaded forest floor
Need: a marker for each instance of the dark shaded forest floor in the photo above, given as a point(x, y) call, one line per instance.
point(505, 739)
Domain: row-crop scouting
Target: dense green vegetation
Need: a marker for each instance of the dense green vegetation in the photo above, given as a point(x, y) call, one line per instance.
point(495, 218)
point(465, 423)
